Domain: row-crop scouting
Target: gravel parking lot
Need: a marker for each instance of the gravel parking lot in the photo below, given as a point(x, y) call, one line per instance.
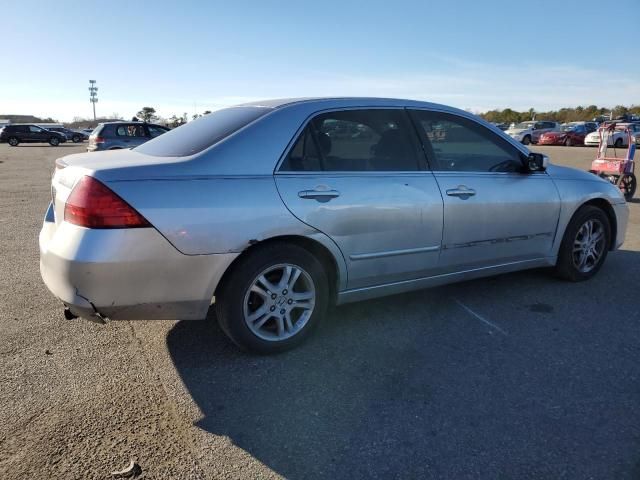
point(519, 376)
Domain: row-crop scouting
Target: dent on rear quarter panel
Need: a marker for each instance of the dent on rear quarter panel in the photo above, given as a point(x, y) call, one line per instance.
point(213, 215)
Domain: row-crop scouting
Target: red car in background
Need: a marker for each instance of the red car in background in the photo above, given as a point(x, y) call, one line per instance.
point(570, 134)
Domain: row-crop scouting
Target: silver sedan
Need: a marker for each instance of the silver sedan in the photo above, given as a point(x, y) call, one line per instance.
point(273, 211)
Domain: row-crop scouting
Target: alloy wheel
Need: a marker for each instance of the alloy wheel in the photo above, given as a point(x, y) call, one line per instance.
point(589, 245)
point(279, 302)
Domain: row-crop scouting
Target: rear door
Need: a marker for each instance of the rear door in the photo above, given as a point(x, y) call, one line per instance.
point(359, 176)
point(494, 211)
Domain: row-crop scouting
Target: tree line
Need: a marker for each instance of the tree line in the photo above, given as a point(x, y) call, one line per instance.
point(562, 115)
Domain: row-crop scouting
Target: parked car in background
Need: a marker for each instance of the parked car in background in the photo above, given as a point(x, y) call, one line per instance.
point(87, 130)
point(570, 134)
point(117, 135)
point(502, 126)
point(618, 139)
point(17, 133)
point(529, 132)
point(74, 136)
point(257, 210)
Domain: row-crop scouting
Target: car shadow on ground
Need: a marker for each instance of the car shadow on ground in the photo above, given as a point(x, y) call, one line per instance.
point(422, 385)
point(46, 145)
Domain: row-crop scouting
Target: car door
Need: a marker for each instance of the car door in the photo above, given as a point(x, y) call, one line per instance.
point(37, 134)
point(494, 211)
point(358, 176)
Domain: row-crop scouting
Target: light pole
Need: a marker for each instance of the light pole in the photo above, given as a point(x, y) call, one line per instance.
point(93, 92)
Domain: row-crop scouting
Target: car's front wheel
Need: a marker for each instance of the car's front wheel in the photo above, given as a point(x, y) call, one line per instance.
point(585, 244)
point(54, 141)
point(13, 141)
point(273, 298)
point(76, 139)
point(526, 140)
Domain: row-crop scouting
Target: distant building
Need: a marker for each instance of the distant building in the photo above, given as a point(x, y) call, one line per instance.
point(4, 121)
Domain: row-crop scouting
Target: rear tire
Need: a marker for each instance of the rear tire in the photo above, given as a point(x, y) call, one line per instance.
point(585, 245)
point(568, 142)
point(259, 311)
point(13, 141)
point(526, 140)
point(618, 143)
point(76, 139)
point(54, 141)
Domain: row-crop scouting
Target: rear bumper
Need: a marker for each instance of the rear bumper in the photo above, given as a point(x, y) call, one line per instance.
point(127, 274)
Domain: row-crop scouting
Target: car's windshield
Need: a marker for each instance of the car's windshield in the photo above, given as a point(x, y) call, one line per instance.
point(524, 125)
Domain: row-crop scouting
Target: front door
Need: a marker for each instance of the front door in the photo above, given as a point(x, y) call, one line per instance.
point(495, 212)
point(357, 176)
point(37, 134)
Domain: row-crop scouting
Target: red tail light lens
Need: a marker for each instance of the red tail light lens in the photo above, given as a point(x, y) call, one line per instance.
point(98, 139)
point(91, 204)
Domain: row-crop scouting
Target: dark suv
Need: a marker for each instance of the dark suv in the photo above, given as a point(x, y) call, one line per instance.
point(17, 133)
point(116, 135)
point(75, 137)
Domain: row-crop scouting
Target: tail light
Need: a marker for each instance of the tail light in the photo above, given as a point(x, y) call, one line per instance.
point(98, 139)
point(92, 204)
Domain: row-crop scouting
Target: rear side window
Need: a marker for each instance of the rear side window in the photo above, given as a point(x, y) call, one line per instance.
point(355, 141)
point(200, 134)
point(130, 131)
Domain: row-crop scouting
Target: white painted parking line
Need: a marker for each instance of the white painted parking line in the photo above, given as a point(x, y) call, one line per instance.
point(480, 317)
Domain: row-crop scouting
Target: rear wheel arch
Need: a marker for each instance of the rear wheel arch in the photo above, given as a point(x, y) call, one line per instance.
point(314, 247)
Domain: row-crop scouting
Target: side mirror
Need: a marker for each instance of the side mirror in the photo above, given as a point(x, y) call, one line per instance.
point(537, 162)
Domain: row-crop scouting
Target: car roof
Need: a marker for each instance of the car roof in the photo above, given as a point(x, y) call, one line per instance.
point(346, 102)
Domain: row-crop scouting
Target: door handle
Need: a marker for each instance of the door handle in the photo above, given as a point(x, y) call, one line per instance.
point(320, 195)
point(462, 191)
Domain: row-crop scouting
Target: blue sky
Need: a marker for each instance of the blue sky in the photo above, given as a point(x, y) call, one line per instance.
point(181, 56)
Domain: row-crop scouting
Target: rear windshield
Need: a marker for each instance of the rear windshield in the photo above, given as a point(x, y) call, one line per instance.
point(199, 134)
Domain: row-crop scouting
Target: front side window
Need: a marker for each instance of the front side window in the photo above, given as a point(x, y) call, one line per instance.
point(459, 144)
point(156, 131)
point(355, 141)
point(34, 129)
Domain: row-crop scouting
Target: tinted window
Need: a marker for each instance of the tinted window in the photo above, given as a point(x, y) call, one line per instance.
point(455, 143)
point(199, 134)
point(357, 141)
point(130, 131)
point(303, 157)
point(155, 131)
point(34, 129)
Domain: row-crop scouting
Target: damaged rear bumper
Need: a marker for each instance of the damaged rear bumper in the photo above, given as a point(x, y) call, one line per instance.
point(126, 274)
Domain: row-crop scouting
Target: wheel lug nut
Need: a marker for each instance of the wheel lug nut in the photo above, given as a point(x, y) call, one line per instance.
point(273, 307)
point(282, 311)
point(273, 296)
point(284, 292)
point(290, 301)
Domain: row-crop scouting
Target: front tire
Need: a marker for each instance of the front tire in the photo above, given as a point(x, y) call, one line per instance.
point(13, 141)
point(568, 142)
point(585, 244)
point(76, 139)
point(526, 140)
point(628, 186)
point(54, 141)
point(618, 143)
point(273, 298)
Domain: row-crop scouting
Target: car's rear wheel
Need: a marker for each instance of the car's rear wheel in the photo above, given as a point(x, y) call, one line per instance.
point(585, 244)
point(568, 142)
point(76, 139)
point(618, 143)
point(13, 141)
point(273, 298)
point(526, 140)
point(54, 141)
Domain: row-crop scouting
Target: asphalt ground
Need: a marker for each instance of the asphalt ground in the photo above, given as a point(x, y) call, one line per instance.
point(517, 376)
